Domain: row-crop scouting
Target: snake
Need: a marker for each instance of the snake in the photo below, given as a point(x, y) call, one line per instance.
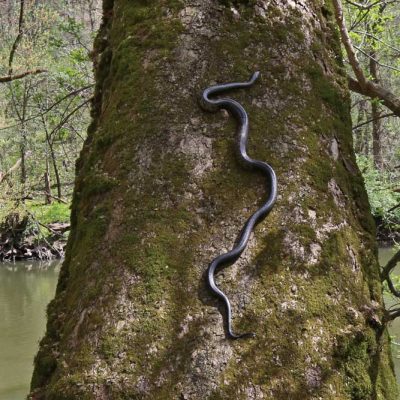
point(228, 258)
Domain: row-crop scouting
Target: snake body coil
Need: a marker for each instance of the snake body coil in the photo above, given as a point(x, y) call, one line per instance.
point(237, 110)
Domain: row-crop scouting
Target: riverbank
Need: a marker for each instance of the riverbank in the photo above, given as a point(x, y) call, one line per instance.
point(387, 236)
point(34, 232)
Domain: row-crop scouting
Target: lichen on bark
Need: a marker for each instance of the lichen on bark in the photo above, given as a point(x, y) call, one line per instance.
point(159, 194)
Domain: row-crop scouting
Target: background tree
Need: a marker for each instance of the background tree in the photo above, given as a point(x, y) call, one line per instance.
point(372, 46)
point(44, 115)
point(158, 195)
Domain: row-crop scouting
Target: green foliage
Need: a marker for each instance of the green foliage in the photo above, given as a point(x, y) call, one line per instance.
point(380, 190)
point(55, 212)
point(43, 213)
point(44, 117)
point(373, 31)
point(79, 55)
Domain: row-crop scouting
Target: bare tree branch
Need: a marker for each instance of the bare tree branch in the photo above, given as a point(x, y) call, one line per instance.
point(48, 109)
point(9, 78)
point(375, 60)
point(372, 120)
point(361, 84)
point(373, 90)
point(58, 199)
point(360, 18)
point(12, 77)
point(18, 38)
point(5, 175)
point(387, 269)
point(394, 208)
point(68, 116)
point(369, 6)
point(348, 45)
point(392, 314)
point(378, 40)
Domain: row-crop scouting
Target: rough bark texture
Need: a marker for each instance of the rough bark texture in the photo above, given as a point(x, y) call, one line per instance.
point(159, 194)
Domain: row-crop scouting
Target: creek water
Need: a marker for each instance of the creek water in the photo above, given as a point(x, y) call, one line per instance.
point(394, 328)
point(25, 290)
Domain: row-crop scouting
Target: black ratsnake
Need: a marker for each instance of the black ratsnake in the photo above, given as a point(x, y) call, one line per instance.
point(231, 256)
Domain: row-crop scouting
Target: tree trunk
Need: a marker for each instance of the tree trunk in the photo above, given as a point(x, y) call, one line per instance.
point(55, 168)
point(376, 135)
point(375, 114)
point(362, 134)
point(47, 184)
point(159, 194)
point(23, 164)
point(50, 143)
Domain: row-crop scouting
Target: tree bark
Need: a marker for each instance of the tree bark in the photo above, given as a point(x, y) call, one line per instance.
point(55, 168)
point(361, 133)
point(376, 136)
point(159, 194)
point(376, 121)
point(10, 78)
point(23, 160)
point(47, 183)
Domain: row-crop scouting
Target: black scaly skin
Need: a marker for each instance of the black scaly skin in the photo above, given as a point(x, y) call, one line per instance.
point(231, 256)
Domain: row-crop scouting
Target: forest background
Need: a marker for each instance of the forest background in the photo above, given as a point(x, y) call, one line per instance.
point(46, 78)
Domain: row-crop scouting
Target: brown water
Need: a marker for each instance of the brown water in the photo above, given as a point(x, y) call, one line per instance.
point(25, 290)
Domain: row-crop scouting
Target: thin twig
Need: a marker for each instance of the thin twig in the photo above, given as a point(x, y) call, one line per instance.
point(56, 198)
point(375, 60)
point(369, 6)
point(378, 40)
point(394, 208)
point(74, 92)
point(67, 117)
point(372, 120)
